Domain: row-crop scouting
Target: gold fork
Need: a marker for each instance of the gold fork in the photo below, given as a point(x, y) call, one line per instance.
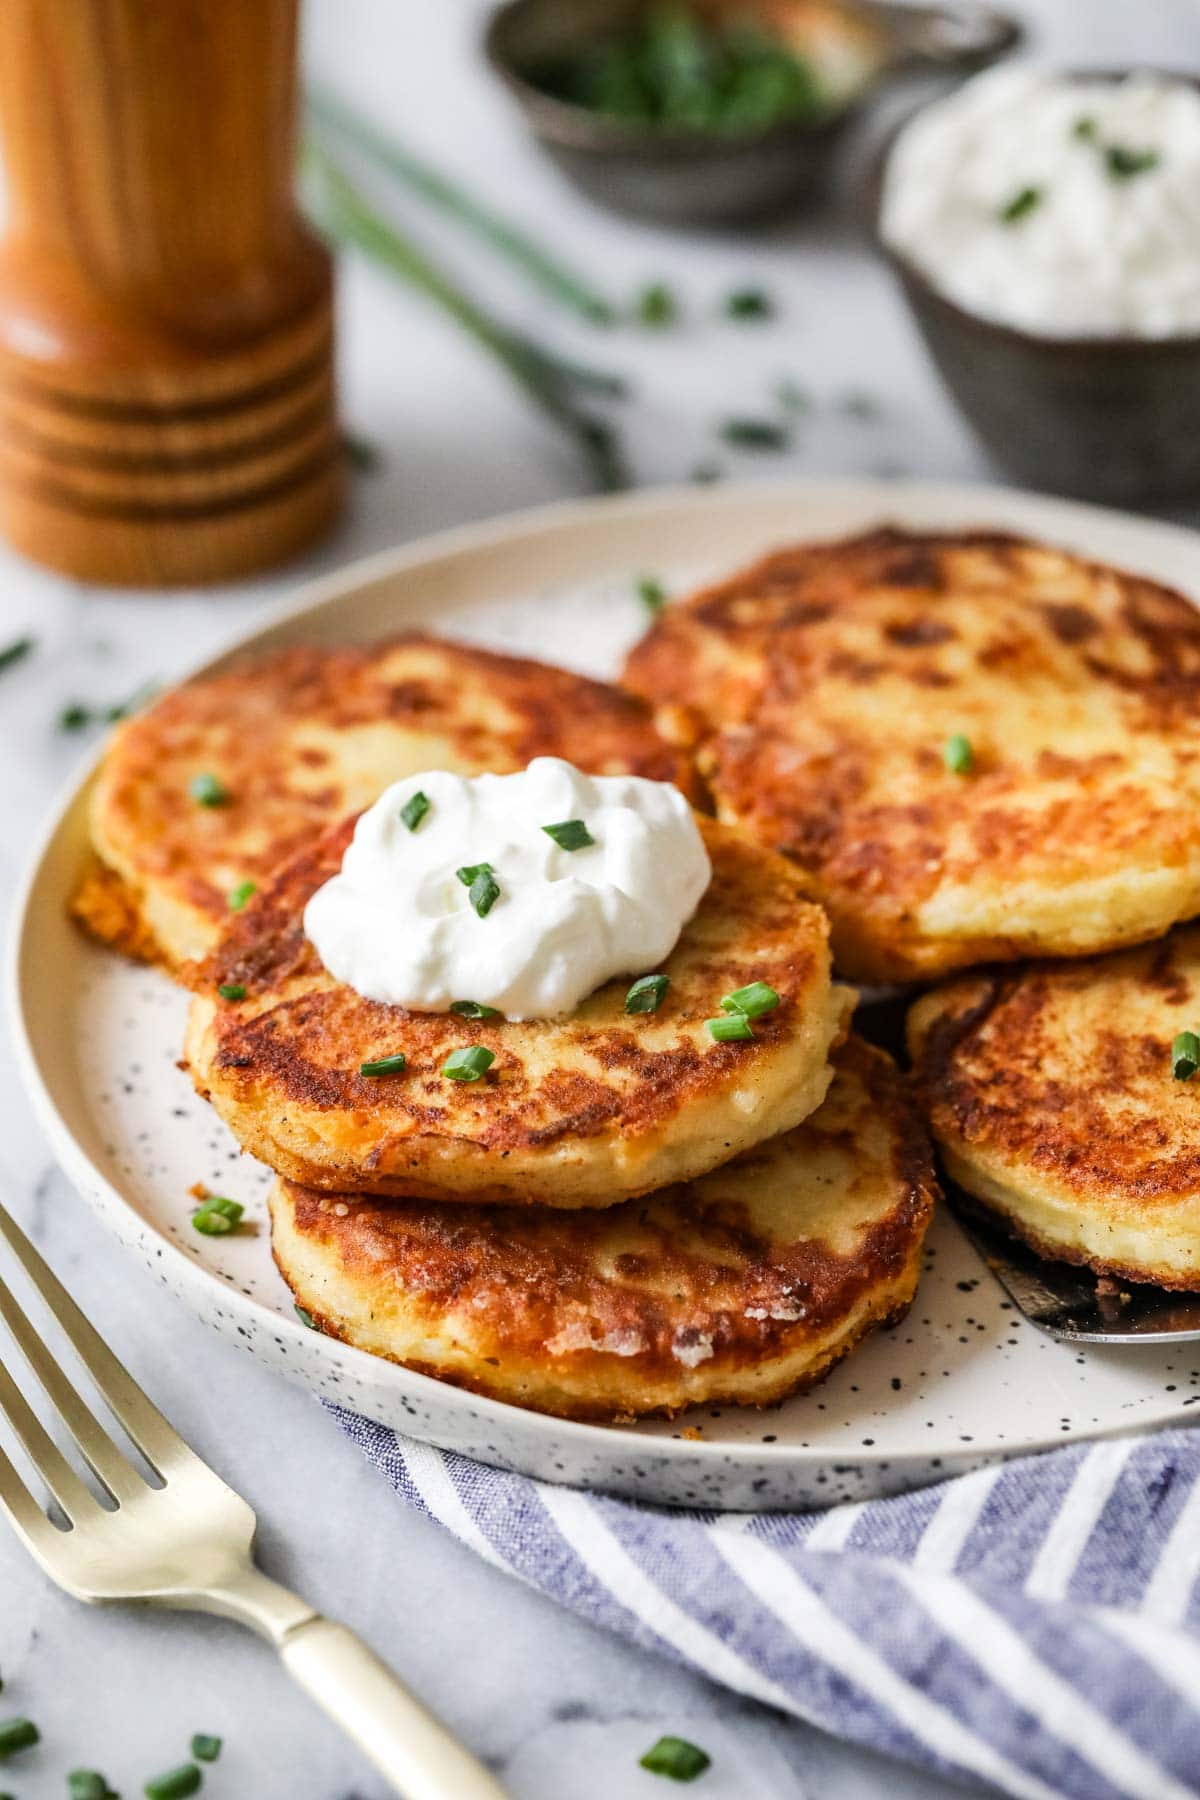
point(187, 1544)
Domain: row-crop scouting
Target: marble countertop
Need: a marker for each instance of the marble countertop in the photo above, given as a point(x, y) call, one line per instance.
point(557, 1707)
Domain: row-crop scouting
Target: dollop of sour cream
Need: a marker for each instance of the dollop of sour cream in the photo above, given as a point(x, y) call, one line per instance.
point(1066, 207)
point(398, 925)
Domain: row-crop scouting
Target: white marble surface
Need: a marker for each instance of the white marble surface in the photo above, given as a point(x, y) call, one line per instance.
point(559, 1708)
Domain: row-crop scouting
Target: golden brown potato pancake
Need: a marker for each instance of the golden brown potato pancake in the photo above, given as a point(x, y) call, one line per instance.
point(583, 1111)
point(298, 739)
point(742, 1286)
point(837, 678)
point(1051, 1093)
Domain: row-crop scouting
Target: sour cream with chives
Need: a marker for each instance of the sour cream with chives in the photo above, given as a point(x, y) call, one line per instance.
point(1065, 207)
point(521, 893)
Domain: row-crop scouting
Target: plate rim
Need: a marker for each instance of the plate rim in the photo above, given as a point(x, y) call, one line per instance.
point(890, 499)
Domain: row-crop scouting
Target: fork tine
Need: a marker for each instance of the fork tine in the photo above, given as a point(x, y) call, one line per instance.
point(104, 1459)
point(158, 1442)
point(24, 1514)
point(44, 1453)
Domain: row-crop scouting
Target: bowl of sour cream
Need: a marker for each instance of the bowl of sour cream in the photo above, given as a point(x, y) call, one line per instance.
point(1045, 228)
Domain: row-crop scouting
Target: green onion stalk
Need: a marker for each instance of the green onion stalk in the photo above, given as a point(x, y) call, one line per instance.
point(342, 213)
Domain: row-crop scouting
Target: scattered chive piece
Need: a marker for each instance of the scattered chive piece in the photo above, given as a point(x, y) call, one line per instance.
point(206, 1748)
point(1021, 205)
point(175, 1784)
point(468, 1064)
point(239, 895)
point(16, 652)
point(364, 457)
point(218, 1216)
point(17, 1734)
point(305, 1318)
point(1084, 127)
point(704, 474)
point(647, 993)
point(472, 1009)
point(74, 716)
point(651, 593)
point(385, 1065)
point(570, 834)
point(231, 990)
point(208, 790)
point(1122, 162)
point(483, 890)
point(752, 1001)
point(1185, 1056)
point(958, 755)
point(791, 396)
point(856, 403)
point(414, 809)
point(749, 303)
point(755, 434)
point(657, 305)
point(88, 1784)
point(730, 1028)
point(675, 1758)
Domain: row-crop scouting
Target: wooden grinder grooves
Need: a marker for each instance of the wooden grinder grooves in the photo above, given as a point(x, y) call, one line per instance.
point(167, 407)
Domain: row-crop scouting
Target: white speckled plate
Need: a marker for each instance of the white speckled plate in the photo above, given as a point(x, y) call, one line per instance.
point(962, 1380)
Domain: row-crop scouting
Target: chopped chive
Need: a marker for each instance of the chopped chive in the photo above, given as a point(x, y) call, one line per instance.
point(74, 716)
point(208, 790)
point(239, 895)
point(472, 1009)
point(1084, 127)
point(570, 834)
point(364, 457)
point(958, 755)
point(749, 303)
point(705, 473)
point(647, 993)
point(791, 396)
point(206, 1748)
point(468, 1064)
point(16, 652)
point(414, 809)
point(657, 305)
point(1023, 202)
point(231, 990)
point(175, 1784)
point(385, 1065)
point(483, 890)
point(730, 1028)
point(88, 1784)
point(751, 1001)
point(304, 1316)
point(856, 403)
point(218, 1216)
point(675, 1758)
point(1185, 1056)
point(652, 594)
point(17, 1734)
point(755, 434)
point(1122, 162)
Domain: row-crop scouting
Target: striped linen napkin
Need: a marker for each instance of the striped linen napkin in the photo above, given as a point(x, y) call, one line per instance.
point(1034, 1626)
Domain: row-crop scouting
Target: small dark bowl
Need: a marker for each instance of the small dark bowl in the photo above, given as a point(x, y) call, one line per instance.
point(678, 176)
point(1097, 418)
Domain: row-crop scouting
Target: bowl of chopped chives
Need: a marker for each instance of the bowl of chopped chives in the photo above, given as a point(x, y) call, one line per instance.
point(714, 111)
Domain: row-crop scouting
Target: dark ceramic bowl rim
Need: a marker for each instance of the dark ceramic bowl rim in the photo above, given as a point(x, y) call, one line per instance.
point(581, 128)
point(1125, 343)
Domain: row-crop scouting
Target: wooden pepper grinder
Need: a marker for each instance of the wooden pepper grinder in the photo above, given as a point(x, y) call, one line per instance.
point(167, 409)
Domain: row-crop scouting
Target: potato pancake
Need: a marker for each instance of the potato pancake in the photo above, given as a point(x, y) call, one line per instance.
point(743, 1286)
point(979, 748)
point(1052, 1095)
point(586, 1110)
point(224, 779)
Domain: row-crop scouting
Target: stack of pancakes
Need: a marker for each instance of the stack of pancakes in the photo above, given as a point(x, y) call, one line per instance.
point(624, 1215)
point(985, 751)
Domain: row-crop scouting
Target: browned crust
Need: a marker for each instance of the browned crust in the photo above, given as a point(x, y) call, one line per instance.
point(690, 1264)
point(107, 910)
point(249, 725)
point(295, 1044)
point(775, 654)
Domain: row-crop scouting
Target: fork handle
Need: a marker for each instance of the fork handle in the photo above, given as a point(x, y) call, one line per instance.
point(402, 1738)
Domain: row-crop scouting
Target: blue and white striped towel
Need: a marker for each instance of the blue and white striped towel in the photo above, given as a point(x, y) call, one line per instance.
point(1034, 1626)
